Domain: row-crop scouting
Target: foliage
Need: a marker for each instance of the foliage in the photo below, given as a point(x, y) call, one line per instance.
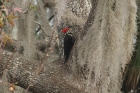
point(7, 16)
point(4, 39)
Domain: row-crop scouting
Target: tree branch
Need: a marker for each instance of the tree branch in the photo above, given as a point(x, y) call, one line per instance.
point(91, 17)
point(51, 79)
point(41, 28)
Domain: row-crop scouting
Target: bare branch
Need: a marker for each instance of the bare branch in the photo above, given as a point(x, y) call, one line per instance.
point(51, 79)
point(40, 27)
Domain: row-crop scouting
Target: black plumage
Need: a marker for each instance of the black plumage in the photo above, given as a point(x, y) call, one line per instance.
point(68, 44)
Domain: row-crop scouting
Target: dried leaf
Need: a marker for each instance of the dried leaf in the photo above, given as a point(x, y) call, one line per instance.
point(1, 22)
point(10, 18)
point(7, 39)
point(33, 7)
point(17, 9)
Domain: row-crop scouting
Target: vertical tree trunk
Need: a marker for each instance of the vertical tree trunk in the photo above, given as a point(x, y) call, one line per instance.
point(30, 35)
point(96, 62)
point(106, 48)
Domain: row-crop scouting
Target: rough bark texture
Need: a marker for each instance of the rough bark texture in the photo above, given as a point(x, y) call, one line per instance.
point(91, 18)
point(96, 62)
point(71, 13)
point(53, 78)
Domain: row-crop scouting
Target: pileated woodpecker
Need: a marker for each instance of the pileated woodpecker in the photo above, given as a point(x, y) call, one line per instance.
point(68, 42)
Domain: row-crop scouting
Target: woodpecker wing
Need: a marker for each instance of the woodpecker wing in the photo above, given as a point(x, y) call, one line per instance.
point(68, 44)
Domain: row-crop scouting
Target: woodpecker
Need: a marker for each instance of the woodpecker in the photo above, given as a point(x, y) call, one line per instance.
point(69, 40)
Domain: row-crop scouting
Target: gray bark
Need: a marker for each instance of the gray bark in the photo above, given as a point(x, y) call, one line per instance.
point(96, 62)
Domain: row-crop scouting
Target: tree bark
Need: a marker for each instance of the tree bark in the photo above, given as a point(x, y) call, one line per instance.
point(96, 62)
point(53, 78)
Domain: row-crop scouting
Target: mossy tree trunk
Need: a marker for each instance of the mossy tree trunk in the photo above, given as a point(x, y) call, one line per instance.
point(97, 60)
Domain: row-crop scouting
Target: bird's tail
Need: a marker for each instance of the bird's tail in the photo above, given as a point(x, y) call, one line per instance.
point(66, 59)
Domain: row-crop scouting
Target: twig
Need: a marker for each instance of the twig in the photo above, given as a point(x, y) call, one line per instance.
point(40, 27)
point(28, 88)
point(51, 17)
point(42, 65)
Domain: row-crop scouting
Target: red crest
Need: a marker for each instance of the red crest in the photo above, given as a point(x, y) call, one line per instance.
point(65, 30)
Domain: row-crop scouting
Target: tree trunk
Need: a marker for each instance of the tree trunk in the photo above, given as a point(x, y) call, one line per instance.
point(96, 62)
